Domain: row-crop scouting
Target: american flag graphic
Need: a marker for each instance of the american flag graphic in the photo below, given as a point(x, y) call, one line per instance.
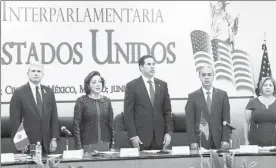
point(232, 65)
point(204, 127)
point(201, 49)
point(265, 68)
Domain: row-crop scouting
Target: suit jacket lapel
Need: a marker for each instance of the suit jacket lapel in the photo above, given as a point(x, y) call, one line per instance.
point(157, 90)
point(31, 98)
point(44, 99)
point(144, 90)
point(203, 100)
point(213, 99)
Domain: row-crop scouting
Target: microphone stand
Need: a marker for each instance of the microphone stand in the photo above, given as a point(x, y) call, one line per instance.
point(231, 139)
point(66, 141)
point(200, 140)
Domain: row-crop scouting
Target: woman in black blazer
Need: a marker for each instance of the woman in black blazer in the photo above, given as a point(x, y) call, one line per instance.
point(93, 115)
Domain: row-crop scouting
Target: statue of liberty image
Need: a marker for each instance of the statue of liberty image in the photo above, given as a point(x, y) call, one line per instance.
point(223, 26)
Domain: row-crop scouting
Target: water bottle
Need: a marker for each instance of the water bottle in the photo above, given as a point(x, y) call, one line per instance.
point(38, 151)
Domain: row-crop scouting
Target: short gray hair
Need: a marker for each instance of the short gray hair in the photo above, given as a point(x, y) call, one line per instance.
point(205, 66)
point(35, 63)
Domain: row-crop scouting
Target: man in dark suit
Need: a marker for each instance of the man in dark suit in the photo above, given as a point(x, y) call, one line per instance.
point(121, 138)
point(147, 109)
point(211, 105)
point(35, 105)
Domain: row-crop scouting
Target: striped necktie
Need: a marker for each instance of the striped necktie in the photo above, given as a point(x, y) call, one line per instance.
point(151, 90)
point(209, 101)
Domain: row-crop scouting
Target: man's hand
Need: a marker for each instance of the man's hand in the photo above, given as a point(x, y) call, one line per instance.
point(167, 141)
point(25, 149)
point(194, 145)
point(194, 148)
point(53, 145)
point(246, 142)
point(224, 145)
point(136, 142)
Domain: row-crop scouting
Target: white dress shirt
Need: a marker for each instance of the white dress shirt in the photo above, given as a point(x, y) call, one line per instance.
point(147, 84)
point(33, 88)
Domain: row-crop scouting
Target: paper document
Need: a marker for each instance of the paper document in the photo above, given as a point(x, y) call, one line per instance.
point(150, 151)
point(54, 155)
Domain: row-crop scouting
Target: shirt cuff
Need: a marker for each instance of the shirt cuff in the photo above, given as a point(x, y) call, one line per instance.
point(170, 133)
point(133, 138)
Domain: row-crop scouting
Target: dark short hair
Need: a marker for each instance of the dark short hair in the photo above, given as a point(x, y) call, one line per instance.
point(264, 79)
point(142, 60)
point(88, 79)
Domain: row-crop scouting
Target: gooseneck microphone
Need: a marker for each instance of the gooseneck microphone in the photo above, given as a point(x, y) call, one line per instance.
point(66, 131)
point(225, 123)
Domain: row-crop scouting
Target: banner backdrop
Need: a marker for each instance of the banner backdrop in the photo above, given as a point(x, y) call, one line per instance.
point(74, 38)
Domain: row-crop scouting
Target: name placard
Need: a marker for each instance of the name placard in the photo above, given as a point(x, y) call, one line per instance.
point(7, 157)
point(129, 152)
point(73, 154)
point(180, 150)
point(249, 149)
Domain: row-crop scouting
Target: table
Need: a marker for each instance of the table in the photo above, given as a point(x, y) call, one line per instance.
point(145, 160)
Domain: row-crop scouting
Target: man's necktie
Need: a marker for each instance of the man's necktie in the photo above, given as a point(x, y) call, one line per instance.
point(151, 90)
point(39, 101)
point(209, 101)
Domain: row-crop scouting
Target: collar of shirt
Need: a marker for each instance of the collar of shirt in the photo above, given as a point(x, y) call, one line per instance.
point(33, 88)
point(147, 84)
point(146, 80)
point(205, 92)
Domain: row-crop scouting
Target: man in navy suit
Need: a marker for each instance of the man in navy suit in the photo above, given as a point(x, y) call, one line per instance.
point(35, 105)
point(147, 109)
point(212, 105)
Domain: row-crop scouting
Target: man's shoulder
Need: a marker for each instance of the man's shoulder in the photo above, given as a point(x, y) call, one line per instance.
point(133, 82)
point(196, 92)
point(160, 81)
point(47, 89)
point(21, 88)
point(220, 91)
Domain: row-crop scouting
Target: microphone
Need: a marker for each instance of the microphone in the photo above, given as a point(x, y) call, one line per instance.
point(225, 123)
point(66, 131)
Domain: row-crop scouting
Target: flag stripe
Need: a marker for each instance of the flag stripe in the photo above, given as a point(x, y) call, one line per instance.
point(243, 75)
point(244, 81)
point(225, 76)
point(204, 127)
point(241, 63)
point(222, 71)
point(265, 68)
point(239, 52)
point(226, 61)
point(20, 138)
point(242, 69)
point(233, 65)
point(239, 57)
point(220, 64)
